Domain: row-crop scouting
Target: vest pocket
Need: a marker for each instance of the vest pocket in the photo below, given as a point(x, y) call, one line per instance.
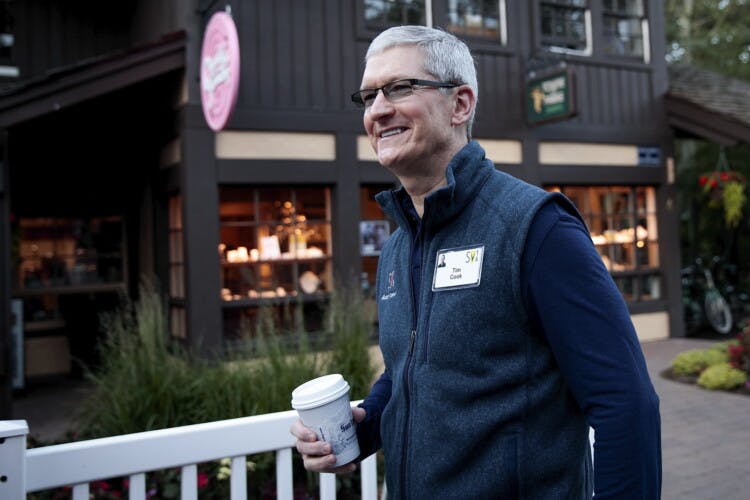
point(493, 472)
point(496, 475)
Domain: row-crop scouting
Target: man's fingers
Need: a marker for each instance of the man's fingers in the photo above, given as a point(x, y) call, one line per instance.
point(327, 464)
point(317, 455)
point(301, 432)
point(358, 413)
point(315, 448)
point(319, 464)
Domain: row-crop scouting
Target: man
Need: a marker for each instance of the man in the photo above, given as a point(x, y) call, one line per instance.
point(498, 363)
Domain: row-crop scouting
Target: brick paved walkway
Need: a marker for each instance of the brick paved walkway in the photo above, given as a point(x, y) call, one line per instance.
point(705, 434)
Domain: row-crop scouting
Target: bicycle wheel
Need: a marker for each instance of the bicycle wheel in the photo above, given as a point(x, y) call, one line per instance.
point(718, 313)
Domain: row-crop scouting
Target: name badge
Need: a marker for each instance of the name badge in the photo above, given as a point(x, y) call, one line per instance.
point(458, 268)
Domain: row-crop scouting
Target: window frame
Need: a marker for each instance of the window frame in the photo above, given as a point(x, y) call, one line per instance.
point(633, 214)
point(645, 33)
point(441, 17)
point(436, 16)
point(588, 50)
point(367, 31)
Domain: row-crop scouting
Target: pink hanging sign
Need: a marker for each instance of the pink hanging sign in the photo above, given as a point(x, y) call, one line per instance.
point(220, 70)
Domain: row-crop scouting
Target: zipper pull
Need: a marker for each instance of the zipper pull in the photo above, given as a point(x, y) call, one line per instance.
point(411, 341)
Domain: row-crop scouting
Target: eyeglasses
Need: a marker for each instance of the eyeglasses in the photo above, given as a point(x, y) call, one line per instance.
point(394, 91)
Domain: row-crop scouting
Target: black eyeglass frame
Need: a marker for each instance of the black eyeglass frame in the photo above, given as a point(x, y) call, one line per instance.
point(387, 89)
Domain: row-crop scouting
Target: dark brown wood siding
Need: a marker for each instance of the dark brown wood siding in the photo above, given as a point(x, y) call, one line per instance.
point(614, 96)
point(307, 57)
point(52, 34)
point(297, 55)
point(500, 106)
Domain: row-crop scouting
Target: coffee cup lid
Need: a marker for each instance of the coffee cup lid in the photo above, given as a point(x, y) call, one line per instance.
point(319, 391)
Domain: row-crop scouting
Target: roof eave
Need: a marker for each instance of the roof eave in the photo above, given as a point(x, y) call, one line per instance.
point(107, 75)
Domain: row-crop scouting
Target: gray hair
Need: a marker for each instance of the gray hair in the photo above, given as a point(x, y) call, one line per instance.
point(445, 57)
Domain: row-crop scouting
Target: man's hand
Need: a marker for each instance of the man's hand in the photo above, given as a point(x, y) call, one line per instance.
point(317, 455)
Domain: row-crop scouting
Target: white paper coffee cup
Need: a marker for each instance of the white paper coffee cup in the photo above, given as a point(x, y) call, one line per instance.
point(323, 406)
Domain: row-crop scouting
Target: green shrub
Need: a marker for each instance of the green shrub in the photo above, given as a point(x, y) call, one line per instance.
point(721, 377)
point(694, 361)
point(351, 328)
point(146, 382)
point(724, 345)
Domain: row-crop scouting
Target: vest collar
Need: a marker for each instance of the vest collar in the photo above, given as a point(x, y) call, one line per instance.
point(465, 175)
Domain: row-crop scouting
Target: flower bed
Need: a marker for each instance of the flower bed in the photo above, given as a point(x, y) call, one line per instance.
point(723, 366)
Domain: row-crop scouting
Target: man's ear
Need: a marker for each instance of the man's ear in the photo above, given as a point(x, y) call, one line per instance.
point(464, 103)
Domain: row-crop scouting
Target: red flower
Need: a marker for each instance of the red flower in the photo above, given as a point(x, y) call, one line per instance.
point(717, 178)
point(100, 485)
point(202, 480)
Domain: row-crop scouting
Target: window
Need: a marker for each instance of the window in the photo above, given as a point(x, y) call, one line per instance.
point(624, 25)
point(383, 13)
point(478, 18)
point(57, 257)
point(176, 260)
point(275, 252)
point(566, 25)
point(176, 269)
point(622, 223)
point(65, 253)
point(374, 230)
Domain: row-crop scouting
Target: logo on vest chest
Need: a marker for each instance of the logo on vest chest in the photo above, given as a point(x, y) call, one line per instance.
point(391, 288)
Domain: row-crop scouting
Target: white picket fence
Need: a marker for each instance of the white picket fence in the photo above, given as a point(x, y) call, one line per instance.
point(80, 463)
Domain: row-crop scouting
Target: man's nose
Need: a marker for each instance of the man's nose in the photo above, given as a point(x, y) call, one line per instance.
point(380, 106)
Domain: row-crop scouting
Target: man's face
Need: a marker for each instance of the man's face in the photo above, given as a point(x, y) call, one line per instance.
point(413, 133)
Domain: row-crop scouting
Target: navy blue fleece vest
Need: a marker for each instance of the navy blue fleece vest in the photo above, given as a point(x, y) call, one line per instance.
point(478, 407)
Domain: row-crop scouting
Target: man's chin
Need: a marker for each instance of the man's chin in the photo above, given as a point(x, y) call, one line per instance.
point(396, 161)
point(391, 164)
point(385, 160)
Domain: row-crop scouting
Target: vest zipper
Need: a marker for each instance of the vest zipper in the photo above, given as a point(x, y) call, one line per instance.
point(407, 388)
point(407, 397)
point(427, 306)
point(411, 342)
point(409, 356)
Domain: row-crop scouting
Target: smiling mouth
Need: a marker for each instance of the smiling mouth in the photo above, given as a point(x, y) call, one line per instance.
point(392, 132)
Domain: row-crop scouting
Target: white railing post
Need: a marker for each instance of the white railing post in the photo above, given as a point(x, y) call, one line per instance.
point(284, 480)
point(238, 479)
point(81, 491)
point(189, 482)
point(137, 488)
point(369, 471)
point(327, 486)
point(13, 459)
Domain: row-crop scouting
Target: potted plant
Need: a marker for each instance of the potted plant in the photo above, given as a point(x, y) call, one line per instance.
point(725, 188)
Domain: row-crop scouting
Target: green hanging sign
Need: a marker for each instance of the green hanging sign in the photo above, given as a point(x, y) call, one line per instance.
point(550, 97)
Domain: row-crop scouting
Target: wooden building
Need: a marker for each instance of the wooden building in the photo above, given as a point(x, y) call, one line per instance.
point(110, 172)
